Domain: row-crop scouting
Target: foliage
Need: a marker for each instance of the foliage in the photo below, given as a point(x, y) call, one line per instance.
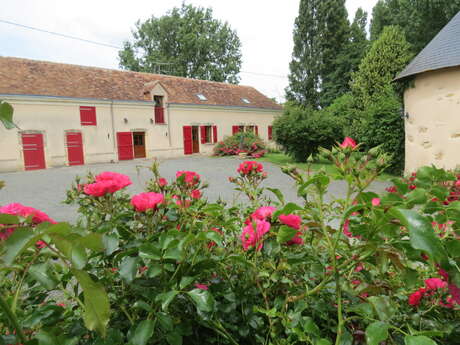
point(420, 20)
point(360, 268)
point(241, 142)
point(301, 131)
point(387, 57)
point(381, 124)
point(321, 46)
point(6, 115)
point(186, 42)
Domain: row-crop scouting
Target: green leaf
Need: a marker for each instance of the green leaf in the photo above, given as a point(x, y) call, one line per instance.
point(143, 332)
point(376, 332)
point(149, 251)
point(110, 243)
point(45, 338)
point(422, 235)
point(310, 327)
point(382, 307)
point(8, 219)
point(69, 246)
point(285, 234)
point(93, 242)
point(173, 253)
point(278, 194)
point(287, 209)
point(203, 299)
point(128, 268)
point(185, 281)
point(418, 340)
point(43, 274)
point(153, 271)
point(17, 243)
point(166, 298)
point(417, 197)
point(174, 338)
point(323, 341)
point(215, 237)
point(96, 304)
point(143, 305)
point(453, 247)
point(6, 115)
point(166, 323)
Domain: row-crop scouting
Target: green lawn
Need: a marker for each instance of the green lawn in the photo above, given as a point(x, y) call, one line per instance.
point(281, 159)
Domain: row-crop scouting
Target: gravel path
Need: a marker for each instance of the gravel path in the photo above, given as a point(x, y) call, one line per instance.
point(46, 189)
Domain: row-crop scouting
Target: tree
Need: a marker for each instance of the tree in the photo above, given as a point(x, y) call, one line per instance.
point(304, 77)
point(334, 36)
point(185, 42)
point(387, 57)
point(420, 20)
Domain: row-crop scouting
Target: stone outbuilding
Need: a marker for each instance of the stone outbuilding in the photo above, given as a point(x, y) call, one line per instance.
point(432, 102)
point(73, 115)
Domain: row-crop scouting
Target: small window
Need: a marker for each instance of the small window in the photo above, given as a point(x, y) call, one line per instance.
point(159, 115)
point(206, 134)
point(245, 100)
point(250, 129)
point(88, 116)
point(201, 97)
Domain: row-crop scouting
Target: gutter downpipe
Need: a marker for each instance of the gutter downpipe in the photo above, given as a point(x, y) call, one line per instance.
point(113, 127)
point(169, 127)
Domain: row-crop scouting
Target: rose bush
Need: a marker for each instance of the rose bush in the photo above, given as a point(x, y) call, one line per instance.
point(241, 142)
point(168, 267)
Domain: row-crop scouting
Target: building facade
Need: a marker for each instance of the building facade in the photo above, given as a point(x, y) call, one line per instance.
point(432, 102)
point(73, 115)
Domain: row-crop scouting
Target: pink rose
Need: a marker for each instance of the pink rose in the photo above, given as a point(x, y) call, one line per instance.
point(196, 194)
point(415, 298)
point(291, 220)
point(375, 202)
point(145, 201)
point(250, 167)
point(162, 182)
point(264, 212)
point(191, 178)
point(348, 142)
point(296, 240)
point(435, 283)
point(107, 182)
point(251, 237)
point(201, 286)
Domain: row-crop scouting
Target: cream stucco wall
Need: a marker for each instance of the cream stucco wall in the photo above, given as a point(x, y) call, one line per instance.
point(53, 116)
point(433, 126)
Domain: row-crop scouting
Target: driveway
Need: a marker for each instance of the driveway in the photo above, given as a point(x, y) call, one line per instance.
point(46, 189)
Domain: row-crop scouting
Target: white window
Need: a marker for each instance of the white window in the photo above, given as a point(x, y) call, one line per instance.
point(245, 100)
point(201, 97)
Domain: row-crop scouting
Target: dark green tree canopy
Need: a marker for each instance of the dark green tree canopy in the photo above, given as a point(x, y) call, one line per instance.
point(186, 42)
point(420, 20)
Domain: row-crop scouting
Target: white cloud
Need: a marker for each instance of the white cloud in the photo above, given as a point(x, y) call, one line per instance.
point(264, 27)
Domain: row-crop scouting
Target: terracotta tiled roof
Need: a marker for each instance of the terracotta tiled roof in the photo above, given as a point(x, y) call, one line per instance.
point(32, 77)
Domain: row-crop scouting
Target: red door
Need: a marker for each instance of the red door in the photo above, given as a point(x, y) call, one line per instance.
point(188, 145)
point(74, 145)
point(34, 155)
point(125, 146)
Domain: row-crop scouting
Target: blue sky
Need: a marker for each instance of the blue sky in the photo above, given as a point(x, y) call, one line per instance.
point(264, 27)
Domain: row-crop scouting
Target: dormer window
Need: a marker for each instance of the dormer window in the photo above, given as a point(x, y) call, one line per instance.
point(245, 100)
point(201, 97)
point(159, 110)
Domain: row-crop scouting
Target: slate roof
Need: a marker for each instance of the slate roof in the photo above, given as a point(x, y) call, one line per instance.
point(41, 78)
point(443, 51)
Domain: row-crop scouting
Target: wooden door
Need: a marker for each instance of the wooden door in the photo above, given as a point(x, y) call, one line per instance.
point(125, 146)
point(139, 144)
point(187, 134)
point(74, 144)
point(34, 154)
point(195, 139)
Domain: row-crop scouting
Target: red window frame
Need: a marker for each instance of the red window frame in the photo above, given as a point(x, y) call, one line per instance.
point(270, 132)
point(88, 116)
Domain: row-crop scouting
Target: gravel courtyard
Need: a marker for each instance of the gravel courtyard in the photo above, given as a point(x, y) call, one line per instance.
point(46, 189)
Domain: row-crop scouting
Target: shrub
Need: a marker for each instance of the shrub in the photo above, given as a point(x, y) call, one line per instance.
point(300, 131)
point(241, 142)
point(168, 267)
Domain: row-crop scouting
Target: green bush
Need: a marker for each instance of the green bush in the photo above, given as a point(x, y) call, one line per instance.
point(380, 123)
point(240, 142)
point(302, 131)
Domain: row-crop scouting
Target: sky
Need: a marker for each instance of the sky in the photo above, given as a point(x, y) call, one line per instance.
point(264, 26)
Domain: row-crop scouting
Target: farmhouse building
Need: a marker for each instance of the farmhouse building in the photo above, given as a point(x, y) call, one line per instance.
point(432, 102)
point(72, 115)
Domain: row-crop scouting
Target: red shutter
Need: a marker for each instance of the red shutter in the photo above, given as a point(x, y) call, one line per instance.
point(257, 129)
point(235, 129)
point(88, 116)
point(125, 146)
point(203, 134)
point(159, 115)
point(34, 155)
point(270, 132)
point(188, 146)
point(214, 133)
point(74, 145)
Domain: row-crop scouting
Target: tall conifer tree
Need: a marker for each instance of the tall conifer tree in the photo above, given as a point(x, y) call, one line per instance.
point(304, 77)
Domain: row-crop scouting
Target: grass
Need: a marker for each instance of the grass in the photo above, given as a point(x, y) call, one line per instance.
point(281, 159)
